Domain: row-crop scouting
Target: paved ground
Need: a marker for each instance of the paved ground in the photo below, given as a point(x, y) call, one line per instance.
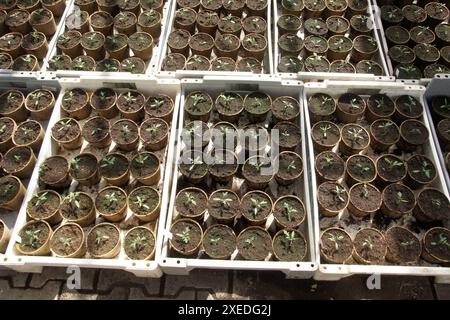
point(208, 284)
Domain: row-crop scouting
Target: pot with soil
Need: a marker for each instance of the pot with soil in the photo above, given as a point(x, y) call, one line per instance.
point(67, 133)
point(365, 199)
point(131, 105)
point(150, 22)
point(54, 172)
point(19, 161)
point(384, 133)
point(360, 168)
point(125, 134)
point(248, 64)
point(285, 108)
point(42, 21)
point(229, 105)
point(219, 242)
point(211, 5)
point(257, 105)
point(193, 4)
point(70, 44)
point(442, 34)
point(342, 66)
point(234, 7)
point(201, 44)
point(7, 129)
point(436, 13)
point(403, 246)
point(133, 65)
point(223, 166)
point(254, 139)
point(8, 5)
point(432, 70)
point(407, 108)
point(364, 48)
point(336, 246)
point(154, 133)
point(75, 103)
point(93, 45)
point(207, 22)
point(413, 134)
point(321, 107)
point(87, 5)
point(315, 45)
point(96, 132)
point(187, 237)
point(369, 246)
point(379, 106)
point(40, 103)
point(111, 203)
point(426, 54)
point(68, 241)
point(78, 207)
point(114, 168)
point(443, 133)
point(59, 62)
point(192, 166)
point(420, 34)
point(230, 24)
point(224, 135)
point(290, 44)
point(441, 107)
point(191, 203)
point(10, 43)
point(257, 172)
point(292, 7)
point(361, 25)
point(254, 24)
point(5, 235)
point(28, 5)
point(103, 101)
point(152, 4)
point(196, 135)
point(315, 27)
point(398, 200)
point(368, 66)
point(390, 169)
point(329, 166)
point(29, 134)
point(254, 45)
point(254, 244)
point(432, 206)
point(350, 107)
point(139, 243)
point(354, 139)
point(145, 168)
point(178, 42)
point(84, 169)
point(337, 25)
point(227, 45)
point(436, 245)
point(12, 105)
point(159, 106)
point(414, 15)
point(315, 63)
point(289, 212)
point(257, 7)
point(198, 63)
point(35, 43)
point(397, 35)
point(145, 203)
point(198, 105)
point(6, 60)
point(336, 7)
point(117, 46)
point(125, 23)
point(421, 171)
point(35, 237)
point(314, 8)
point(332, 198)
point(109, 6)
point(288, 23)
point(357, 7)
point(83, 63)
point(102, 22)
point(17, 20)
point(57, 7)
point(12, 192)
point(78, 20)
point(325, 136)
point(289, 136)
point(103, 241)
point(27, 62)
point(224, 205)
point(289, 245)
point(185, 19)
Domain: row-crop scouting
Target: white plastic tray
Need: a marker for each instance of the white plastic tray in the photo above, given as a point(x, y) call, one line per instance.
point(73, 73)
point(147, 85)
point(319, 76)
point(274, 87)
point(267, 63)
point(338, 271)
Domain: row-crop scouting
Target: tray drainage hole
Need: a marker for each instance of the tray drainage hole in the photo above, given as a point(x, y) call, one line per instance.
point(178, 261)
point(20, 259)
point(298, 265)
point(148, 264)
point(324, 267)
point(164, 261)
point(134, 264)
point(312, 265)
point(5, 259)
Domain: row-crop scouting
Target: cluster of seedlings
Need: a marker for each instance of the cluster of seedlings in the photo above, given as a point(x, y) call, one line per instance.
point(440, 112)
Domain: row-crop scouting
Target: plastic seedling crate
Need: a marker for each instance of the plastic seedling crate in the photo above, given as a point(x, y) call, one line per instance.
point(345, 219)
point(173, 264)
point(51, 43)
point(25, 84)
point(320, 76)
point(150, 64)
point(382, 35)
point(143, 268)
point(267, 63)
point(438, 87)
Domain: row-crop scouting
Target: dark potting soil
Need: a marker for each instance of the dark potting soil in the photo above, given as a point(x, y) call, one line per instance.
point(342, 66)
point(224, 205)
point(66, 130)
point(118, 167)
point(133, 65)
point(316, 44)
point(201, 42)
point(399, 198)
point(254, 24)
point(391, 168)
point(316, 27)
point(33, 41)
point(286, 108)
point(289, 212)
point(414, 132)
point(53, 169)
point(43, 205)
point(427, 52)
point(227, 42)
point(256, 4)
point(441, 106)
point(95, 129)
point(321, 104)
point(330, 165)
point(443, 128)
point(219, 169)
point(198, 103)
point(330, 199)
point(365, 44)
point(326, 133)
point(9, 188)
point(146, 164)
point(403, 245)
point(188, 3)
point(140, 41)
point(116, 42)
point(254, 42)
point(251, 172)
point(83, 166)
point(26, 132)
point(256, 206)
point(254, 244)
point(101, 19)
point(191, 202)
point(370, 245)
point(414, 13)
point(249, 65)
point(69, 39)
point(336, 244)
point(17, 18)
point(6, 129)
point(178, 39)
point(158, 105)
point(67, 240)
point(103, 98)
point(402, 54)
point(5, 61)
point(409, 106)
point(337, 24)
point(257, 103)
point(105, 201)
point(365, 197)
point(397, 35)
point(437, 10)
point(381, 105)
point(385, 131)
point(290, 246)
point(421, 168)
point(139, 244)
point(224, 136)
point(213, 5)
point(40, 16)
point(355, 136)
point(149, 17)
point(219, 242)
point(437, 242)
point(198, 63)
point(340, 43)
point(290, 64)
point(76, 19)
point(10, 101)
point(59, 62)
point(223, 64)
point(24, 63)
point(290, 43)
point(103, 239)
point(443, 31)
point(290, 165)
point(434, 204)
point(185, 16)
point(193, 166)
point(189, 229)
point(93, 40)
point(144, 200)
point(130, 101)
point(34, 236)
point(74, 99)
point(229, 103)
point(124, 132)
point(2, 229)
point(422, 34)
point(233, 5)
point(10, 41)
point(351, 103)
point(366, 66)
point(70, 210)
point(361, 23)
point(196, 130)
point(153, 130)
point(207, 18)
point(128, 5)
point(289, 22)
point(361, 168)
point(16, 159)
point(39, 99)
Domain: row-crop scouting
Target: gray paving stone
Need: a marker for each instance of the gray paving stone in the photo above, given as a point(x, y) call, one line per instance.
point(116, 294)
point(49, 292)
point(442, 291)
point(74, 295)
point(119, 293)
point(109, 279)
point(216, 281)
point(19, 279)
point(87, 277)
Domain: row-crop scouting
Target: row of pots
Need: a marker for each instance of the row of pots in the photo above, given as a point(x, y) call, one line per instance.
point(86, 63)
